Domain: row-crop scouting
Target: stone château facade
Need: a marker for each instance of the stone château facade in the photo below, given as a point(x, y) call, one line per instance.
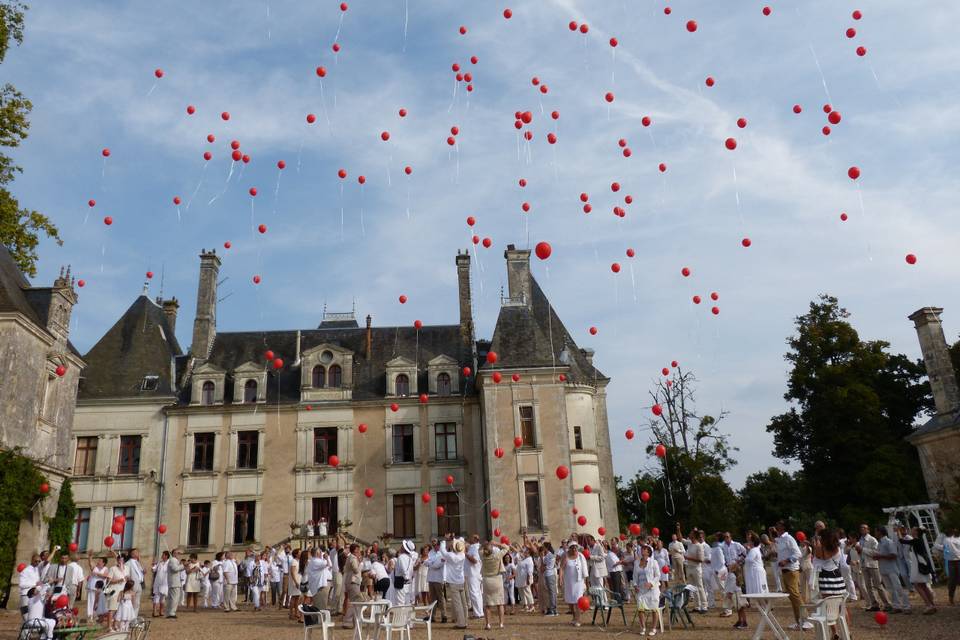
point(363, 427)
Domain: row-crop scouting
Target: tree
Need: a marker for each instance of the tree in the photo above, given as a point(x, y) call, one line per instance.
point(685, 485)
point(771, 495)
point(61, 525)
point(20, 228)
point(853, 405)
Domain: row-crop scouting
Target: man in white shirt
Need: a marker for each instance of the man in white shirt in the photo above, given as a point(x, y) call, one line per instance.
point(453, 560)
point(886, 556)
point(872, 583)
point(216, 580)
point(788, 561)
point(734, 554)
point(598, 562)
point(35, 601)
point(472, 578)
point(73, 580)
point(435, 580)
point(524, 580)
point(694, 561)
point(134, 571)
point(615, 571)
point(174, 583)
point(677, 552)
point(230, 575)
point(44, 564)
point(29, 578)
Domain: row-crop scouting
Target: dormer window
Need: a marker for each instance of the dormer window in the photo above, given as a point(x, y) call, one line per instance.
point(250, 392)
point(150, 383)
point(443, 384)
point(319, 377)
point(207, 394)
point(334, 376)
point(402, 385)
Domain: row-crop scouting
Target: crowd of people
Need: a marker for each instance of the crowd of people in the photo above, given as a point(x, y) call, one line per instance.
point(468, 578)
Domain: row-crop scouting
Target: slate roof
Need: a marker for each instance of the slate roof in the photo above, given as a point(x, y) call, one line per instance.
point(534, 336)
point(139, 344)
point(937, 423)
point(12, 286)
point(232, 349)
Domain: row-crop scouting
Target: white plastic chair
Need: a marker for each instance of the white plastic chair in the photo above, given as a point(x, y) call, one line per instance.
point(322, 622)
point(368, 614)
point(640, 609)
point(423, 615)
point(397, 619)
point(830, 612)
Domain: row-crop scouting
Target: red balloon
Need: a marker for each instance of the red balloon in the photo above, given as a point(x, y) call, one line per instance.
point(696, 299)
point(108, 541)
point(268, 355)
point(615, 187)
point(515, 377)
point(333, 461)
point(851, 32)
point(467, 371)
point(402, 299)
point(746, 242)
point(660, 451)
point(627, 153)
point(685, 272)
point(826, 130)
point(583, 603)
point(225, 115)
point(207, 155)
point(277, 363)
point(441, 511)
point(117, 528)
point(62, 602)
point(861, 51)
point(60, 371)
point(496, 532)
point(44, 487)
point(827, 108)
point(424, 398)
point(880, 617)
point(856, 14)
point(21, 567)
point(853, 172)
point(336, 47)
point(343, 6)
point(665, 371)
point(408, 170)
point(662, 167)
point(715, 310)
point(655, 531)
point(72, 547)
point(394, 407)
point(608, 96)
point(507, 14)
point(602, 531)
point(834, 117)
point(108, 221)
point(767, 11)
point(322, 72)
point(451, 140)
point(211, 138)
point(613, 42)
point(362, 428)
point(615, 267)
point(425, 497)
point(368, 493)
point(504, 540)
point(587, 488)
point(562, 472)
point(710, 81)
point(81, 283)
point(543, 250)
point(262, 228)
point(797, 108)
point(91, 203)
point(191, 109)
point(911, 259)
point(463, 31)
point(525, 206)
point(494, 513)
point(450, 480)
point(714, 295)
point(645, 496)
point(385, 135)
point(498, 452)
point(105, 152)
point(342, 173)
point(497, 377)
point(573, 25)
point(631, 253)
point(582, 521)
point(562, 378)
point(674, 364)
point(666, 11)
point(587, 208)
point(362, 179)
point(629, 434)
point(311, 118)
point(487, 243)
point(843, 217)
point(584, 28)
point(741, 122)
point(691, 25)
point(730, 143)
point(593, 331)
point(518, 442)
point(665, 569)
point(522, 182)
point(801, 536)
point(645, 121)
point(176, 200)
point(417, 324)
point(491, 357)
point(552, 138)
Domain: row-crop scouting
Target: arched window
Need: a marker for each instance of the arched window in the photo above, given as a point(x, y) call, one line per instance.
point(319, 376)
point(403, 385)
point(250, 391)
point(334, 376)
point(443, 384)
point(206, 397)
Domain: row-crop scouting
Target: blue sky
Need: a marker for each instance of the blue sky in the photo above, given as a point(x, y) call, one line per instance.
point(88, 68)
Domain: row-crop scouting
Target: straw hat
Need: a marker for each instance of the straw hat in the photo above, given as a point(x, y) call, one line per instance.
point(409, 547)
point(458, 546)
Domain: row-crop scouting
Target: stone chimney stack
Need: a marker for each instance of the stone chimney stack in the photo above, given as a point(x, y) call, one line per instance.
point(369, 336)
point(463, 286)
point(170, 308)
point(205, 323)
point(518, 274)
point(936, 357)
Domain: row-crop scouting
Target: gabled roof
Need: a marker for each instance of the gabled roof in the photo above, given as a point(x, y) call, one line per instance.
point(139, 344)
point(12, 285)
point(534, 336)
point(937, 423)
point(232, 349)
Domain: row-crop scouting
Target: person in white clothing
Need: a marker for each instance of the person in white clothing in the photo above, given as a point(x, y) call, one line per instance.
point(35, 603)
point(316, 578)
point(472, 577)
point(575, 575)
point(646, 582)
point(597, 563)
point(75, 578)
point(754, 576)
point(230, 575)
point(733, 554)
point(134, 571)
point(435, 581)
point(402, 575)
point(695, 559)
point(453, 562)
point(524, 580)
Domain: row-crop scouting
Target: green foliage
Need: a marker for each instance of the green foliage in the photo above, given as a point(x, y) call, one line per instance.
point(20, 228)
point(19, 490)
point(854, 404)
point(61, 525)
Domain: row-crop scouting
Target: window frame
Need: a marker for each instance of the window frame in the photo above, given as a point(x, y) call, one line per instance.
point(528, 426)
point(334, 376)
point(251, 384)
point(331, 514)
point(81, 528)
point(449, 429)
point(322, 435)
point(89, 456)
point(318, 377)
point(132, 446)
point(444, 384)
point(449, 522)
point(203, 450)
point(398, 454)
point(407, 509)
point(208, 393)
point(248, 441)
point(577, 438)
point(198, 518)
point(125, 539)
point(406, 385)
point(535, 520)
point(251, 521)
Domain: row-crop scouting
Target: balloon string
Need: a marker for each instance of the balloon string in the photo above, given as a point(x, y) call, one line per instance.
point(633, 282)
point(149, 93)
point(178, 216)
point(389, 164)
point(736, 190)
point(363, 233)
point(339, 26)
point(613, 66)
point(226, 182)
point(103, 253)
point(453, 98)
point(406, 21)
point(276, 191)
point(203, 172)
point(323, 105)
point(823, 79)
point(300, 156)
point(341, 210)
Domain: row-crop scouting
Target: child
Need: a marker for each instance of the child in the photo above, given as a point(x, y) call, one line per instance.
point(125, 613)
point(509, 581)
point(35, 611)
point(205, 584)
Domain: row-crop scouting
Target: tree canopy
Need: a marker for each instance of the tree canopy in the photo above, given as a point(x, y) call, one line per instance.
point(20, 228)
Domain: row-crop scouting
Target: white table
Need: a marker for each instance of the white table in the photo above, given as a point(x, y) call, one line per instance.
point(376, 610)
point(765, 602)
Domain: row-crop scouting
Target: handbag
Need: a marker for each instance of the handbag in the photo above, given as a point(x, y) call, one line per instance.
point(399, 582)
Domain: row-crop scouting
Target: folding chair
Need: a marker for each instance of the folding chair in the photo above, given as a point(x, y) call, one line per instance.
point(830, 612)
point(677, 599)
point(659, 610)
point(397, 619)
point(424, 616)
point(316, 620)
point(606, 601)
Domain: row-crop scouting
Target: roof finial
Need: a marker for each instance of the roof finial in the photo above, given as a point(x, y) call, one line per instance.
point(146, 286)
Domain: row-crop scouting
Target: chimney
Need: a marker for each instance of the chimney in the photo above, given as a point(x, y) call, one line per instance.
point(205, 323)
point(170, 312)
point(936, 357)
point(369, 336)
point(518, 274)
point(466, 306)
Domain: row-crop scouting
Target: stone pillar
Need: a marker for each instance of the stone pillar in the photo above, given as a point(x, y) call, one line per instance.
point(518, 273)
point(170, 308)
point(205, 323)
point(936, 357)
point(466, 308)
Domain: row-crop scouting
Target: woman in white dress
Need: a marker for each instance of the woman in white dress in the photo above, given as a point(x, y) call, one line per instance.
point(125, 613)
point(574, 579)
point(921, 568)
point(646, 581)
point(754, 576)
point(160, 584)
point(421, 586)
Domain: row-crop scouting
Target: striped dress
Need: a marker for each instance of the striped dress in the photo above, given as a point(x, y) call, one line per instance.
point(830, 577)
